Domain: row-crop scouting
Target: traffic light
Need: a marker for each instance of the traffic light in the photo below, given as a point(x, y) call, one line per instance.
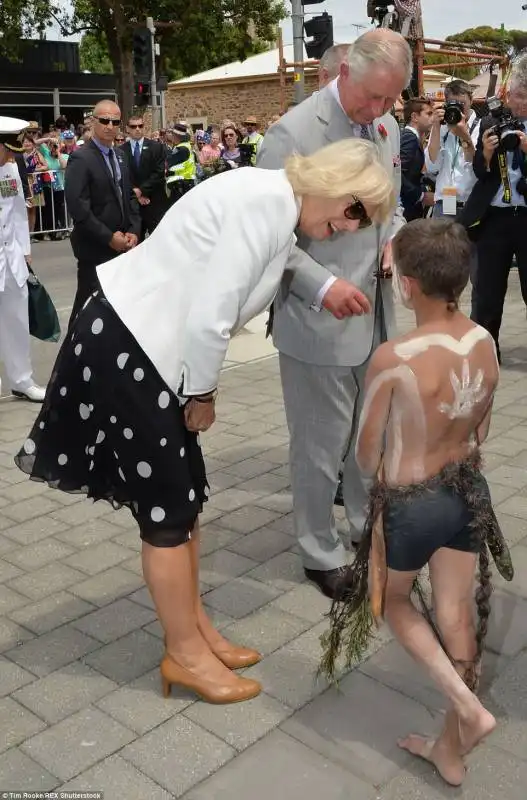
point(142, 94)
point(142, 52)
point(321, 29)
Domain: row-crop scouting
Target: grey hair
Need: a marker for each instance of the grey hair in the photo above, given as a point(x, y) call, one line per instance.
point(380, 47)
point(333, 58)
point(519, 73)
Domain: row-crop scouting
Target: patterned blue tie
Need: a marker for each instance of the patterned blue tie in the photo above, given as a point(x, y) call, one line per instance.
point(137, 154)
point(365, 132)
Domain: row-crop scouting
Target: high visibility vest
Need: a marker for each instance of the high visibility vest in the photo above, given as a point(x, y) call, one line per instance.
point(256, 141)
point(185, 170)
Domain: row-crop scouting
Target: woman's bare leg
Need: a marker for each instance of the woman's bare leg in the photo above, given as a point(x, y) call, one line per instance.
point(169, 576)
point(416, 636)
point(207, 629)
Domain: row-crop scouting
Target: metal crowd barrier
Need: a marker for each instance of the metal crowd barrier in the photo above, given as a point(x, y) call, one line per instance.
point(51, 211)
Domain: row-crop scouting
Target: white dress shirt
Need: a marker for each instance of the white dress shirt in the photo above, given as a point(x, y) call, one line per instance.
point(450, 166)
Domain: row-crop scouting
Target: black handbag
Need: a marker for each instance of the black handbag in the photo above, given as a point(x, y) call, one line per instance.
point(43, 318)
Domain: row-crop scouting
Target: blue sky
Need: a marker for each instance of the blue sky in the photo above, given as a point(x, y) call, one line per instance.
point(441, 17)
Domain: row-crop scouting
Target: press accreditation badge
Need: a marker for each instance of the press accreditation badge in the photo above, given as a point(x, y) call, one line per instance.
point(450, 200)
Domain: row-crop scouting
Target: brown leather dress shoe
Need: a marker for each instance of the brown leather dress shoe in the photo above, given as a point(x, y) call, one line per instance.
point(239, 690)
point(328, 581)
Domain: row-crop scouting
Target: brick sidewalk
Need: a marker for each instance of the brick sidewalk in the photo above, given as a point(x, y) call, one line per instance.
point(81, 706)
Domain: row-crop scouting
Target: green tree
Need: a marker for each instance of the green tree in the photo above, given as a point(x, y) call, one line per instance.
point(94, 55)
point(508, 42)
point(203, 33)
point(447, 65)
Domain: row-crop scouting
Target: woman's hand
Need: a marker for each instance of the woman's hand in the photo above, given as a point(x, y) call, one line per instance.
point(199, 415)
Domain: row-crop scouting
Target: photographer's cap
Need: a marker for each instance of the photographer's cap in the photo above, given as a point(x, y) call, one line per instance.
point(11, 130)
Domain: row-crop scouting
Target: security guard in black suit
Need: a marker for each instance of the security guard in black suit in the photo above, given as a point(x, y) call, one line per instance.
point(496, 212)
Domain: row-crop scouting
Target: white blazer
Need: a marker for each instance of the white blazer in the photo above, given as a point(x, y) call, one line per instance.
point(214, 262)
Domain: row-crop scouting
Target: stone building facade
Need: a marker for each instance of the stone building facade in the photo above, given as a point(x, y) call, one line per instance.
point(211, 101)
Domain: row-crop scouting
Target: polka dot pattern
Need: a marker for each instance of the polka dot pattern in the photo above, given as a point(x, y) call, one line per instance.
point(163, 400)
point(144, 469)
point(157, 514)
point(108, 399)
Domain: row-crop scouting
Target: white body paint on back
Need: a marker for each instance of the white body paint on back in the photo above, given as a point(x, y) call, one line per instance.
point(414, 347)
point(405, 375)
point(467, 394)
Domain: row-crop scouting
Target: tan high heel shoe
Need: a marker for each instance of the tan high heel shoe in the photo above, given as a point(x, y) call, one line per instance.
point(173, 673)
point(234, 657)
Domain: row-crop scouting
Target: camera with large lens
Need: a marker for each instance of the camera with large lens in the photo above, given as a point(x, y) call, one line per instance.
point(454, 111)
point(507, 126)
point(247, 152)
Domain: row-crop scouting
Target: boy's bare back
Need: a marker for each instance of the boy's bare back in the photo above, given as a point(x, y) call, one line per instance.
point(431, 390)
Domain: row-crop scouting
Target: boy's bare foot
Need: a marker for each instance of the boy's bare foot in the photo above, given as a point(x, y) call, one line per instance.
point(448, 762)
point(474, 729)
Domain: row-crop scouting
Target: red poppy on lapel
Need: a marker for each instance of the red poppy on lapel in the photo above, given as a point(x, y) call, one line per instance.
point(383, 133)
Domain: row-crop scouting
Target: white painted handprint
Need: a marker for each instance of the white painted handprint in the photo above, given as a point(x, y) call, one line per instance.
point(467, 394)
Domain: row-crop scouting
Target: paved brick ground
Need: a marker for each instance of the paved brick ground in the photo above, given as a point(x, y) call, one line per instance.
point(80, 704)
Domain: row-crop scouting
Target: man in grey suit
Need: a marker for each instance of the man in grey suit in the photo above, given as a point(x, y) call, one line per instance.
point(324, 356)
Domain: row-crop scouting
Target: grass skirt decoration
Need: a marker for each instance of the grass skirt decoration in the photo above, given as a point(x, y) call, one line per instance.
point(359, 609)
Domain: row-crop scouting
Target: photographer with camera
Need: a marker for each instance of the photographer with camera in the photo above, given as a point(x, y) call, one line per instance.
point(496, 213)
point(451, 149)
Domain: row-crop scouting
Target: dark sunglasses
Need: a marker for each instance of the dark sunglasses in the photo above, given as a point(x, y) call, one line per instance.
point(108, 121)
point(139, 125)
point(357, 211)
point(119, 139)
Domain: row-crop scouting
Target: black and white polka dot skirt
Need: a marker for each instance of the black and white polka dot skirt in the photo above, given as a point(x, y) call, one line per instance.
point(111, 428)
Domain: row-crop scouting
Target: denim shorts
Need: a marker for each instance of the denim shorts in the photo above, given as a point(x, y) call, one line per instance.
point(417, 525)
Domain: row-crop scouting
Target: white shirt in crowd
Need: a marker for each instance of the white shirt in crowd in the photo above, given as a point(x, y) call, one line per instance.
point(450, 166)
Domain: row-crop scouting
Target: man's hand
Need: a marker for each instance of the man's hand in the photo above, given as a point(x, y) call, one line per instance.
point(199, 416)
point(439, 115)
point(119, 242)
point(523, 141)
point(143, 201)
point(137, 191)
point(343, 299)
point(428, 199)
point(131, 240)
point(490, 143)
point(461, 130)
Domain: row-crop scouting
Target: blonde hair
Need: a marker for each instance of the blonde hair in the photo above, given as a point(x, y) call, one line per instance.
point(349, 167)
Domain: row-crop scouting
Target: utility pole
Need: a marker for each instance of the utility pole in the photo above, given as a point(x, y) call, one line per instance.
point(298, 48)
point(153, 83)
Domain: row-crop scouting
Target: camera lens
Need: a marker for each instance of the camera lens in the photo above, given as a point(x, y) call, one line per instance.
point(453, 114)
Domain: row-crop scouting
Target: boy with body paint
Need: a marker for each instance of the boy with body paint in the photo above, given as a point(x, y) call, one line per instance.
point(427, 408)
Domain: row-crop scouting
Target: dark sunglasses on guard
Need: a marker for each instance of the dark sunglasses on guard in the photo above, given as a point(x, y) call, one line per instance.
point(139, 125)
point(108, 121)
point(357, 211)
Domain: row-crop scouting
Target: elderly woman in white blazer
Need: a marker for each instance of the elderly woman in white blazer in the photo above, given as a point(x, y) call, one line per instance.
point(135, 379)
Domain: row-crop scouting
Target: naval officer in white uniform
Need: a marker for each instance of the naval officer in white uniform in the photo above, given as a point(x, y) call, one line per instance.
point(14, 259)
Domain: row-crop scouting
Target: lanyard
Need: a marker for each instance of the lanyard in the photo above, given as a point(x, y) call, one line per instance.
point(504, 174)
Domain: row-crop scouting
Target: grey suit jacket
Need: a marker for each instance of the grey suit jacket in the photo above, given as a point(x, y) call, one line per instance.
point(316, 337)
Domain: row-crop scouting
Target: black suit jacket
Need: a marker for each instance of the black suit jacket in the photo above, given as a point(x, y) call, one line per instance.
point(93, 201)
point(487, 185)
point(412, 163)
point(150, 176)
